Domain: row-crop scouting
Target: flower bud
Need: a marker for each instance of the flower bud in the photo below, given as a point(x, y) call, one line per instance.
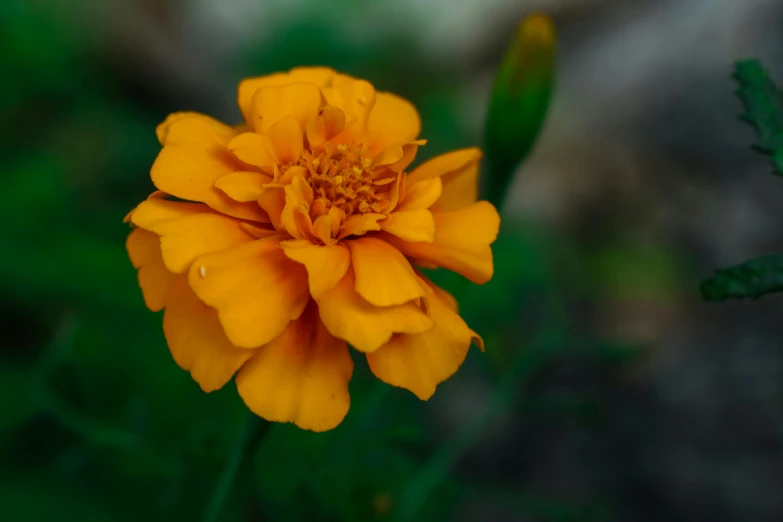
point(519, 102)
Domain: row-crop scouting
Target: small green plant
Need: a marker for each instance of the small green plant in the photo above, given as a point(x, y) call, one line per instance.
point(764, 111)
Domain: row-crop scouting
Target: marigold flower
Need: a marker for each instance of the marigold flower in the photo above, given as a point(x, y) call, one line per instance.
point(295, 234)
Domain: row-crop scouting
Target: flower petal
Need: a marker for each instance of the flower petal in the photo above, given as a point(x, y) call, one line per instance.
point(337, 216)
point(221, 130)
point(300, 377)
point(298, 223)
point(388, 156)
point(325, 265)
point(329, 123)
point(414, 225)
point(409, 151)
point(459, 172)
point(271, 104)
point(183, 240)
point(321, 76)
point(393, 120)
point(299, 191)
point(158, 194)
point(253, 149)
point(272, 200)
point(322, 228)
point(188, 230)
point(187, 167)
point(356, 99)
point(397, 191)
point(462, 239)
point(155, 281)
point(419, 362)
point(383, 276)
point(349, 316)
point(258, 232)
point(358, 224)
point(154, 211)
point(286, 140)
point(197, 341)
point(254, 287)
point(243, 186)
point(339, 79)
point(451, 303)
point(295, 216)
point(421, 195)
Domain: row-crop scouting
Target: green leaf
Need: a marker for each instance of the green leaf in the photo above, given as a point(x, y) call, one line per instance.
point(751, 279)
point(763, 109)
point(520, 100)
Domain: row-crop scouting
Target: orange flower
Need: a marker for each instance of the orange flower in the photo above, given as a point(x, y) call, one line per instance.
point(293, 235)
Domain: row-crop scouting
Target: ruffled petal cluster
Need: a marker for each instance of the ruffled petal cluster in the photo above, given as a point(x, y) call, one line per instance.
point(273, 245)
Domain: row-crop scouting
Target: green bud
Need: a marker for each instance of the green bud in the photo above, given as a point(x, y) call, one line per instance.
point(519, 102)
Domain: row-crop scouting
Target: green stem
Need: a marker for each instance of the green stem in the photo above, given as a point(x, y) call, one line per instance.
point(241, 457)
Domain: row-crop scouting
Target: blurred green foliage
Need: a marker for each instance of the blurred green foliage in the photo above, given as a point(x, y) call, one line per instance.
point(98, 423)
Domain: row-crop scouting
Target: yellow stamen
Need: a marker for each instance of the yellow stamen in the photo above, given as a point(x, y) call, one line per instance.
point(341, 179)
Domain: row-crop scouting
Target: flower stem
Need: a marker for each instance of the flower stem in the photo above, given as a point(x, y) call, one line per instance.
point(241, 457)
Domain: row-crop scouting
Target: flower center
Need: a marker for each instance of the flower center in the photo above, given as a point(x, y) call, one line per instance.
point(343, 176)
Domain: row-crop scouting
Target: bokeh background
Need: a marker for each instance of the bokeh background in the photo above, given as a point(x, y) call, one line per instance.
point(608, 392)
